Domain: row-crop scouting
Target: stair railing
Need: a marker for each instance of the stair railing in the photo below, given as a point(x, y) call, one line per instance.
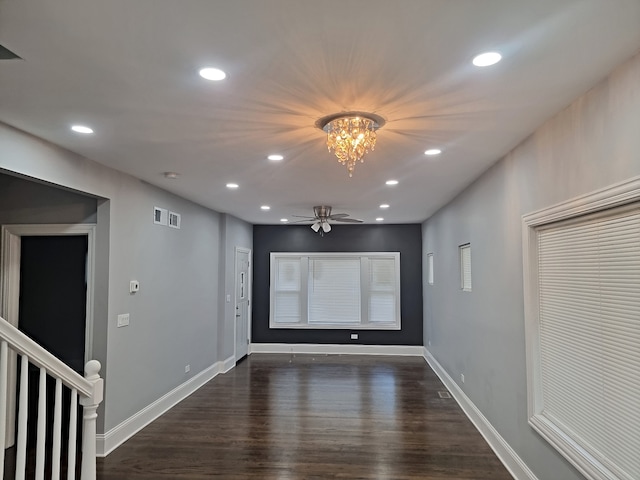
point(87, 391)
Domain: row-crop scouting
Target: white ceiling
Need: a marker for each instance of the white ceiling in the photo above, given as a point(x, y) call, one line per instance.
point(129, 69)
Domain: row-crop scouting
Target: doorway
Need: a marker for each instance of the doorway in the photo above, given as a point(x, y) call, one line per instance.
point(242, 303)
point(41, 265)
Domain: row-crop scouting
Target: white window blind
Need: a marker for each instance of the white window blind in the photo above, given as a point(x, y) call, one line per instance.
point(430, 268)
point(465, 267)
point(335, 290)
point(589, 335)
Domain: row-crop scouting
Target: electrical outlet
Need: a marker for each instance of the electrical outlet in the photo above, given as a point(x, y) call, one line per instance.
point(187, 368)
point(354, 336)
point(123, 320)
point(462, 377)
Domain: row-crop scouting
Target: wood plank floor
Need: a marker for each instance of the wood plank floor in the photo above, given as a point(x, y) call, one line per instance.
point(290, 417)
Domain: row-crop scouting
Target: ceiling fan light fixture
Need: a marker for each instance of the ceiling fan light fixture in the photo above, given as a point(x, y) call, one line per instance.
point(315, 227)
point(326, 228)
point(350, 136)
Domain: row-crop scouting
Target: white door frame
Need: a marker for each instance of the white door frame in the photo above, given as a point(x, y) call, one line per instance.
point(10, 290)
point(235, 299)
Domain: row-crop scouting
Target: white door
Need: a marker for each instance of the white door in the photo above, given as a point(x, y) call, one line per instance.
point(243, 294)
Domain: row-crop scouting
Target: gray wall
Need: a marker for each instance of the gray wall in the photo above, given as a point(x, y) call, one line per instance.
point(27, 202)
point(591, 144)
point(235, 233)
point(174, 317)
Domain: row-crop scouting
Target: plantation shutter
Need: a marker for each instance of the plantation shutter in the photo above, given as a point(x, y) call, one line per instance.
point(382, 290)
point(589, 333)
point(287, 308)
point(334, 290)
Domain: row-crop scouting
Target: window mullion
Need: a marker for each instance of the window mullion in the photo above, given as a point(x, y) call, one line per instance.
point(304, 290)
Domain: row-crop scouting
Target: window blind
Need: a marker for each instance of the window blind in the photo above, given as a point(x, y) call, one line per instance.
point(589, 334)
point(334, 290)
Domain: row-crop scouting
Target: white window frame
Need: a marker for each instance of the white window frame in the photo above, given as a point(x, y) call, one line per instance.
point(465, 280)
point(364, 323)
point(430, 276)
point(559, 436)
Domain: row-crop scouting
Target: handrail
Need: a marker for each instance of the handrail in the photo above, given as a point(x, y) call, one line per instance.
point(24, 345)
point(87, 391)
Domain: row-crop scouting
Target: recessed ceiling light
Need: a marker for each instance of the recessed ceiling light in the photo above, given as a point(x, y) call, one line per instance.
point(265, 207)
point(275, 157)
point(284, 220)
point(214, 74)
point(391, 182)
point(232, 185)
point(379, 219)
point(171, 175)
point(82, 129)
point(384, 205)
point(487, 59)
point(433, 151)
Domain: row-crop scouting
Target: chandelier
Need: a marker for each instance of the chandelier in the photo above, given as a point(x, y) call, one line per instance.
point(350, 136)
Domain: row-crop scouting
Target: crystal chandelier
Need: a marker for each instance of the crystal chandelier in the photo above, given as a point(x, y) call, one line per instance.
point(350, 136)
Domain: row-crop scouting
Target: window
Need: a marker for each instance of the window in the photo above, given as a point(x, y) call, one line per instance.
point(430, 268)
point(335, 290)
point(582, 312)
point(465, 267)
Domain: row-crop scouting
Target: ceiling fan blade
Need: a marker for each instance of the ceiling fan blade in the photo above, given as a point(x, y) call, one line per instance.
point(304, 216)
point(300, 221)
point(338, 215)
point(348, 220)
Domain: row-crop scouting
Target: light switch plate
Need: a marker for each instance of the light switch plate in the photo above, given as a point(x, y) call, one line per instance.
point(123, 320)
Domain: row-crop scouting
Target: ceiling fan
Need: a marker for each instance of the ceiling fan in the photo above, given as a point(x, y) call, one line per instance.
point(322, 215)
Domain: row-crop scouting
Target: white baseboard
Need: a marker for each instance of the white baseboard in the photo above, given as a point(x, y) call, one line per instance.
point(228, 364)
point(322, 349)
point(109, 441)
point(510, 459)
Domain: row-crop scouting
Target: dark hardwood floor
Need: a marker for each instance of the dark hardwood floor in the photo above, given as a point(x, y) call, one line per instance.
point(290, 417)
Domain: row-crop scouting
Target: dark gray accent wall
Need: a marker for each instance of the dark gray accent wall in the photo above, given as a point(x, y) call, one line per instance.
point(406, 239)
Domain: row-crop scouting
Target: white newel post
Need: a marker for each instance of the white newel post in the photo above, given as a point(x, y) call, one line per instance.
point(90, 407)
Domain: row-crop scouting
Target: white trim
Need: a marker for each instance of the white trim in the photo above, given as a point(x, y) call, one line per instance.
point(333, 349)
point(109, 441)
point(509, 458)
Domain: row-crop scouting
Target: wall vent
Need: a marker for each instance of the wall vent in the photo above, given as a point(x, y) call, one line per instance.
point(174, 220)
point(160, 215)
